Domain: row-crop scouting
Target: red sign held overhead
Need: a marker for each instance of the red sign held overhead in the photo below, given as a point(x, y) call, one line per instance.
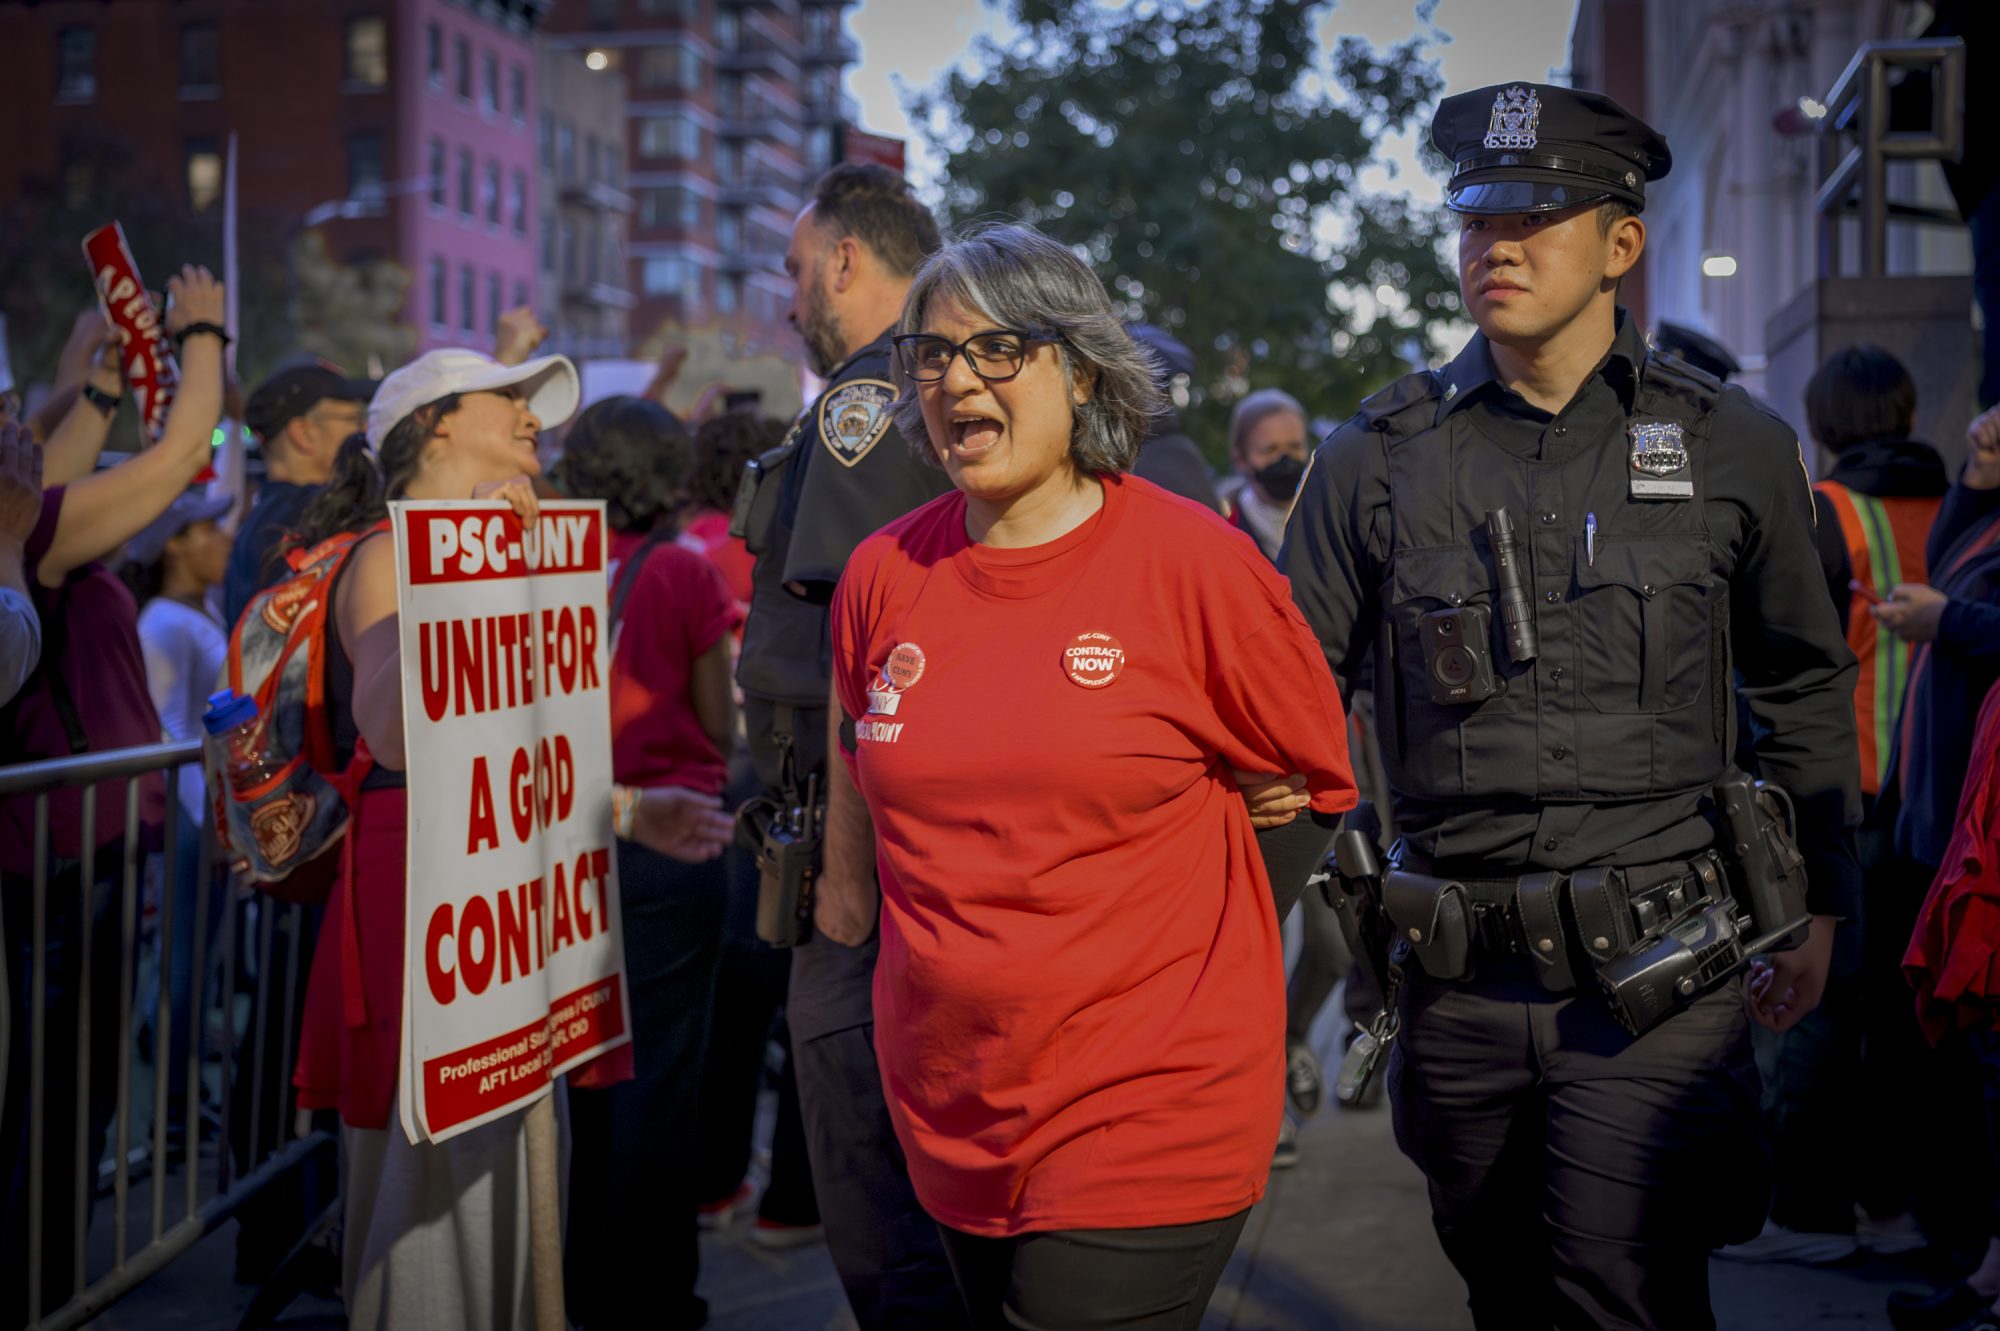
point(858, 145)
point(151, 372)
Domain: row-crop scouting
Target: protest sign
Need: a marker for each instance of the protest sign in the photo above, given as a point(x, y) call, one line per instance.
point(151, 373)
point(514, 969)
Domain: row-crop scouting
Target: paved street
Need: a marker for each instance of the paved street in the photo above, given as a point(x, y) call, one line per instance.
point(1341, 1243)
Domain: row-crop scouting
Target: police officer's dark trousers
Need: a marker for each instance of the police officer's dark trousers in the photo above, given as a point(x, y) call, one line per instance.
point(1579, 1178)
point(884, 1244)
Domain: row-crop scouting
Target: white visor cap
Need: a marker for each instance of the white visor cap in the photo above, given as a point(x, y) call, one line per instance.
point(549, 383)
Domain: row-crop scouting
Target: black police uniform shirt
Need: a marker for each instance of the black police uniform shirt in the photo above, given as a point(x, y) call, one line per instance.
point(1601, 751)
point(850, 473)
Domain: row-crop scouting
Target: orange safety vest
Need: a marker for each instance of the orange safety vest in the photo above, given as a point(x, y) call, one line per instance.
point(1885, 546)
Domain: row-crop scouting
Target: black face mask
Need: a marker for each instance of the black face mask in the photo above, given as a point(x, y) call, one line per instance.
point(1280, 479)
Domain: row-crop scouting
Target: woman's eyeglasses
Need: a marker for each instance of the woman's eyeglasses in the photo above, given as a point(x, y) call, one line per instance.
point(995, 356)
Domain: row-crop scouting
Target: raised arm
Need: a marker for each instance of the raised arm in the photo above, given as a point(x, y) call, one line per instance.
point(103, 510)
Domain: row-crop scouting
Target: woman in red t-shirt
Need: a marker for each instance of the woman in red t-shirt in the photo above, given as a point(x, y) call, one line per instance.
point(633, 1246)
point(1050, 676)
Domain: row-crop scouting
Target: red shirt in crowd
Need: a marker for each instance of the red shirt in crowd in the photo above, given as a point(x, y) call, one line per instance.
point(707, 533)
point(101, 664)
point(1080, 999)
point(677, 610)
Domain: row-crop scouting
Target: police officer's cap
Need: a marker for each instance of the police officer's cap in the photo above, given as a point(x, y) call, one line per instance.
point(1532, 148)
point(1696, 348)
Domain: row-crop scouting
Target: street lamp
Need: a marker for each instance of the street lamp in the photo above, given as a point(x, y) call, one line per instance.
point(1718, 265)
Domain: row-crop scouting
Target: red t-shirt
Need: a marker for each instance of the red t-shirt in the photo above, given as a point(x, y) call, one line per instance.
point(707, 533)
point(678, 609)
point(1080, 1000)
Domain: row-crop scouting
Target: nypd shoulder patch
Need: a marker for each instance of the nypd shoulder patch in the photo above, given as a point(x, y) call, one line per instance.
point(853, 417)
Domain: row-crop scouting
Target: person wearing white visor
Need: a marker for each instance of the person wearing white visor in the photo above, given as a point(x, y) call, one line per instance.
point(437, 1234)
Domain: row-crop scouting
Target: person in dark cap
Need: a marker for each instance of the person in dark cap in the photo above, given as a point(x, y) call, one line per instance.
point(301, 415)
point(1560, 546)
point(1697, 349)
point(1169, 458)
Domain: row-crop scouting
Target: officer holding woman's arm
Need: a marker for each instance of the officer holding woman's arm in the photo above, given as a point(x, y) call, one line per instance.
point(1560, 546)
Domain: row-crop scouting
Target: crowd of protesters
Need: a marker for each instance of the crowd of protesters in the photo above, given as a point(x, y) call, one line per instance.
point(120, 586)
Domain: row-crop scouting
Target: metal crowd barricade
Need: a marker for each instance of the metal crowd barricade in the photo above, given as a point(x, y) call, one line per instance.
point(190, 1195)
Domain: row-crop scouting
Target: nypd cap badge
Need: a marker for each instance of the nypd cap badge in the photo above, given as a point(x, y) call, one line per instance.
point(1659, 461)
point(853, 417)
point(1517, 112)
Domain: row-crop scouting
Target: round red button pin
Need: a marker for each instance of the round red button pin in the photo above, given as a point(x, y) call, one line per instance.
point(1093, 660)
point(904, 667)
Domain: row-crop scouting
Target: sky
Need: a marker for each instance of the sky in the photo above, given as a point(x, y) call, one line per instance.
point(907, 44)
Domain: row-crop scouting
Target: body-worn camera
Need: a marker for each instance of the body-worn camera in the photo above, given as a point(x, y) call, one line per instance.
point(1458, 656)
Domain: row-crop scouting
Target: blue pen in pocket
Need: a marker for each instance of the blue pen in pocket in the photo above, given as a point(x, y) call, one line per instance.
point(1590, 538)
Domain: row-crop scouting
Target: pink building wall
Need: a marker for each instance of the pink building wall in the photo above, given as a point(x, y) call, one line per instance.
point(430, 234)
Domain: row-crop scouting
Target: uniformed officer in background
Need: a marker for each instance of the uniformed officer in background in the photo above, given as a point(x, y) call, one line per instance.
point(841, 473)
point(1553, 693)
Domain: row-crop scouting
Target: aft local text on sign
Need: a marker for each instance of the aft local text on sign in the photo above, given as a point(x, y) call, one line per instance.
point(514, 966)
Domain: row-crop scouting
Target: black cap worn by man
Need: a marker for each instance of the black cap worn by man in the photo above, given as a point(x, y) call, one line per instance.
point(295, 390)
point(1558, 825)
point(1528, 148)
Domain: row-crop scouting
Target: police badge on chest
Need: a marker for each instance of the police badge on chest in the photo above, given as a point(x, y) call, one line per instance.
point(1658, 465)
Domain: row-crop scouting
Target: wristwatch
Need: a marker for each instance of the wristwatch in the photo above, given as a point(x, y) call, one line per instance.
point(103, 401)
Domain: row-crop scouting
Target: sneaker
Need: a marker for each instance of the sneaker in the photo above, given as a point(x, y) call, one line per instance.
point(1936, 1310)
point(721, 1214)
point(1778, 1244)
point(1303, 1083)
point(777, 1236)
point(1887, 1238)
point(1287, 1153)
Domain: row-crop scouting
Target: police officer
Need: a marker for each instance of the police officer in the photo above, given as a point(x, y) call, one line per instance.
point(841, 473)
point(1662, 533)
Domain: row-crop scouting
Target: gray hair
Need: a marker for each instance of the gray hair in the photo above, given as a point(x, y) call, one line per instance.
point(1255, 409)
point(1020, 278)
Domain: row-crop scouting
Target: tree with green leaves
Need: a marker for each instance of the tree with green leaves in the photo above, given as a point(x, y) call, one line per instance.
point(1203, 158)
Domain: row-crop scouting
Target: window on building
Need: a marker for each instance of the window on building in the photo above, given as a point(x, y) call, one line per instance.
point(517, 94)
point(603, 13)
point(461, 63)
point(76, 65)
point(468, 298)
point(680, 9)
point(490, 195)
point(670, 136)
point(367, 51)
point(465, 183)
point(590, 153)
point(566, 153)
point(204, 173)
point(666, 277)
point(548, 243)
point(822, 24)
point(728, 29)
point(669, 67)
point(201, 59)
point(434, 55)
point(728, 294)
point(520, 293)
point(677, 208)
point(592, 257)
point(569, 251)
point(489, 84)
point(364, 165)
point(493, 305)
point(614, 262)
point(518, 203)
point(436, 169)
point(545, 139)
point(440, 296)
